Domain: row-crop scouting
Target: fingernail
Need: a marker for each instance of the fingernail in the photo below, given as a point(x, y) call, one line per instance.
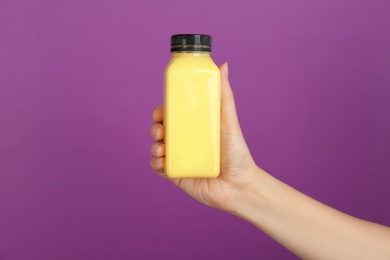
point(155, 131)
point(157, 149)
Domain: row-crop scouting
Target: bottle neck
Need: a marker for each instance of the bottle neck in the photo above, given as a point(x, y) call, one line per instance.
point(191, 53)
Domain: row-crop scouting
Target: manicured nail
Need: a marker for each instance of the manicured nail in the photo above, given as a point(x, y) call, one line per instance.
point(157, 149)
point(155, 131)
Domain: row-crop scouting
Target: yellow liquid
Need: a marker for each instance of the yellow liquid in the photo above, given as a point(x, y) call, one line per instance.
point(192, 116)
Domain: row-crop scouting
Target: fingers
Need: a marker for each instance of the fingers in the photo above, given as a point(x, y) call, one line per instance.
point(157, 114)
point(158, 148)
point(157, 131)
point(158, 161)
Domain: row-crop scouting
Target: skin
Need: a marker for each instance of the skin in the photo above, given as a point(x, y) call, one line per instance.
point(303, 225)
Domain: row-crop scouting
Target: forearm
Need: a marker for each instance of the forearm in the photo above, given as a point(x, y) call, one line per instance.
point(307, 227)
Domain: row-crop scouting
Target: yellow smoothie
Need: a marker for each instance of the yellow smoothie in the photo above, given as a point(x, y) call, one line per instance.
point(192, 116)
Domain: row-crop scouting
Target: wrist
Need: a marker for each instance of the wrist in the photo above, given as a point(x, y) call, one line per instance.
point(252, 196)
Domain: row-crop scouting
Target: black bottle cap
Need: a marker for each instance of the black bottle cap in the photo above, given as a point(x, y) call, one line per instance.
point(190, 42)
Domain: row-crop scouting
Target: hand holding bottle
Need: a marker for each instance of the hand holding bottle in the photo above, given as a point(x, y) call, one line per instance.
point(237, 166)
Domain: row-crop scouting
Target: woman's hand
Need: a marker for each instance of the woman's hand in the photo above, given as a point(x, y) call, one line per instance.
point(237, 166)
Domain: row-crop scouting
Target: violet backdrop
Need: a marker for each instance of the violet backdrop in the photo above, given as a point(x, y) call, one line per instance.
point(78, 82)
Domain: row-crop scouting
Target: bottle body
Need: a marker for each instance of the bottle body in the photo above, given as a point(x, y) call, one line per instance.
point(192, 116)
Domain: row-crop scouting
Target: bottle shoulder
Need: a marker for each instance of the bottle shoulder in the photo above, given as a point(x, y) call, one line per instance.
point(191, 63)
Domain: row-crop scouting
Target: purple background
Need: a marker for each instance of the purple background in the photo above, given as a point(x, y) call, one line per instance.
point(78, 82)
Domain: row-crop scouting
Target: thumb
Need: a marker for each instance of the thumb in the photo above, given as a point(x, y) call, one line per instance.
point(229, 120)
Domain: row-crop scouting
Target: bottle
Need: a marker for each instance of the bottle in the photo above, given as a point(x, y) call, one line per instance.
point(192, 109)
